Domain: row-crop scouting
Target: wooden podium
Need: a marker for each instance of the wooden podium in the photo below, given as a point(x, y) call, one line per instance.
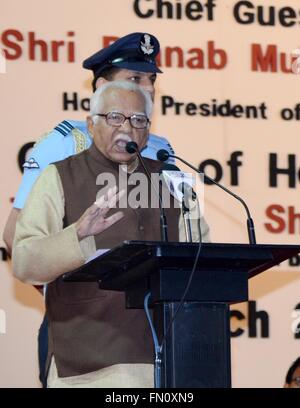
point(197, 348)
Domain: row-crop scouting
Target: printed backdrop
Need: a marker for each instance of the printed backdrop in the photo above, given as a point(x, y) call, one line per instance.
point(228, 101)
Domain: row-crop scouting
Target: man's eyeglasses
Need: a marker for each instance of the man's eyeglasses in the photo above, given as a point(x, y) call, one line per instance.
point(137, 121)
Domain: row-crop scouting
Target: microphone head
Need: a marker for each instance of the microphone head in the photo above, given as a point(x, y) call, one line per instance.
point(132, 147)
point(162, 155)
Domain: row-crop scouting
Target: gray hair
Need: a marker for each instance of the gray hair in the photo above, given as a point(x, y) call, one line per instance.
point(97, 99)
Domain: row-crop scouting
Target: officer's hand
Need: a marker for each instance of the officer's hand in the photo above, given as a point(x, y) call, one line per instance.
point(93, 221)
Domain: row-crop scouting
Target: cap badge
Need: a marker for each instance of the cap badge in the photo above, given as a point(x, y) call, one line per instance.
point(146, 46)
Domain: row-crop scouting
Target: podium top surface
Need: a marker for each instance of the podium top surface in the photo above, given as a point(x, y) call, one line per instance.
point(145, 256)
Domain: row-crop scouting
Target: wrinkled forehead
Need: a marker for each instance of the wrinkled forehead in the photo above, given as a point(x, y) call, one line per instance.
point(119, 100)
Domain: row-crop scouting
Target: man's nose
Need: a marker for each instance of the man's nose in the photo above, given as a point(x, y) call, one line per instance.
point(126, 125)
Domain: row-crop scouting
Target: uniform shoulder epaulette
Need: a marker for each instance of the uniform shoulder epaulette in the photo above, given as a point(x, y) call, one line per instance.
point(64, 127)
point(80, 140)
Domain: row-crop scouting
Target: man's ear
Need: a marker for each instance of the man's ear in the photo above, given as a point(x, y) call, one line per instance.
point(100, 81)
point(90, 125)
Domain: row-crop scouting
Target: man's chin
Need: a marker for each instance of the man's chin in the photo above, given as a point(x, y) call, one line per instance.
point(122, 157)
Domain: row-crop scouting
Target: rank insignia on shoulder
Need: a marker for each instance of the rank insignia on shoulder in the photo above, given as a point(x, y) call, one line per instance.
point(31, 164)
point(64, 127)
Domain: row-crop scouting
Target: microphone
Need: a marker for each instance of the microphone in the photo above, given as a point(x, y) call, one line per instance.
point(163, 155)
point(132, 147)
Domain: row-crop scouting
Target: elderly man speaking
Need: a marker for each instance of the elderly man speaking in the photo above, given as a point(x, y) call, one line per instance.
point(93, 340)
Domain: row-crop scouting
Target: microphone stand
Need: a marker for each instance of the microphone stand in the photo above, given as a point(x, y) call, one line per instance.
point(132, 147)
point(186, 219)
point(164, 155)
